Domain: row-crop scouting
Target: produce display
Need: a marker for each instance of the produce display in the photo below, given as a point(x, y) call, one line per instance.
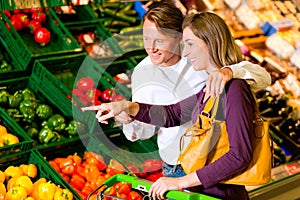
point(41, 121)
point(55, 60)
point(26, 176)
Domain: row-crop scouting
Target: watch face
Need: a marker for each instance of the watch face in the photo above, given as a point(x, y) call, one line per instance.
point(233, 4)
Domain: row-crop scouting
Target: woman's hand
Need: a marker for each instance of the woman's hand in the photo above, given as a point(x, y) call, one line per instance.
point(162, 185)
point(123, 118)
point(106, 111)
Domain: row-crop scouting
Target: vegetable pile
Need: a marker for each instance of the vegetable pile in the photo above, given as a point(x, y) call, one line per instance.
point(88, 94)
point(39, 120)
point(87, 172)
point(32, 20)
point(22, 182)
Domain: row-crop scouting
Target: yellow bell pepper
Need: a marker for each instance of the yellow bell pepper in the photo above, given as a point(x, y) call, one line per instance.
point(25, 182)
point(63, 194)
point(46, 191)
point(16, 193)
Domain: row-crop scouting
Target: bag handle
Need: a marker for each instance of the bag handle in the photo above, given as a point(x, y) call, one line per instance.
point(212, 103)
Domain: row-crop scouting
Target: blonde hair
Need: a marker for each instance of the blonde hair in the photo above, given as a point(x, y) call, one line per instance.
point(213, 30)
point(166, 17)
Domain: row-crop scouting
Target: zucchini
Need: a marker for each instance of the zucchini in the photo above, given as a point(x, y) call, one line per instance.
point(119, 15)
point(109, 23)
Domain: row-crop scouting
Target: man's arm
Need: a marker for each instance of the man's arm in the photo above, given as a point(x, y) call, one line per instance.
point(257, 77)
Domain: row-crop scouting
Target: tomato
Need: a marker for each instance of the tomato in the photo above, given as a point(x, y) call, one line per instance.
point(42, 36)
point(34, 26)
point(108, 94)
point(85, 83)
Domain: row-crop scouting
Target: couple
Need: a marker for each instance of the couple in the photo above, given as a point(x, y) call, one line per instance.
point(165, 78)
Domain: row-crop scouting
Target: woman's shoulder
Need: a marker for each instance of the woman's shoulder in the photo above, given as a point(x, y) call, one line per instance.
point(237, 84)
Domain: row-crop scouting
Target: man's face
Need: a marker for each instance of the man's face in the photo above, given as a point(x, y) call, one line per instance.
point(162, 49)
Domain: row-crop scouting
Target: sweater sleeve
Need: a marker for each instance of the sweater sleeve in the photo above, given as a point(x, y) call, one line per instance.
point(168, 115)
point(238, 104)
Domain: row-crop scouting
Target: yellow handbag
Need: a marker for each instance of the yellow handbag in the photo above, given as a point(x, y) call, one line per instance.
point(210, 141)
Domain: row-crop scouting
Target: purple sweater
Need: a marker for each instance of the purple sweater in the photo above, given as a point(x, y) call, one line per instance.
point(236, 107)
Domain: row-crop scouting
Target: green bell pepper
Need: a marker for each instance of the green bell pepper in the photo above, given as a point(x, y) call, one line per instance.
point(14, 100)
point(56, 122)
point(28, 94)
point(75, 127)
point(46, 135)
point(4, 66)
point(27, 109)
point(44, 111)
point(33, 132)
point(3, 97)
point(14, 113)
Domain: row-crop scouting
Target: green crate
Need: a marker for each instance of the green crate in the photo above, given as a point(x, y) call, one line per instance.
point(143, 186)
point(136, 59)
point(83, 14)
point(43, 168)
point(80, 65)
point(25, 142)
point(21, 83)
point(119, 66)
point(50, 3)
point(103, 37)
point(127, 152)
point(22, 43)
point(18, 66)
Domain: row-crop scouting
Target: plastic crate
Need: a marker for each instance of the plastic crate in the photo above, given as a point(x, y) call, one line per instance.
point(143, 187)
point(83, 14)
point(25, 142)
point(22, 43)
point(18, 66)
point(119, 66)
point(80, 65)
point(43, 168)
point(13, 85)
point(103, 38)
point(125, 151)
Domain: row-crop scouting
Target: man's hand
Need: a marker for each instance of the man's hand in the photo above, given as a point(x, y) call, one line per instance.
point(216, 81)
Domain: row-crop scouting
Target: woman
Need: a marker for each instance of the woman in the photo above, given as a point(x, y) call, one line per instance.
point(209, 45)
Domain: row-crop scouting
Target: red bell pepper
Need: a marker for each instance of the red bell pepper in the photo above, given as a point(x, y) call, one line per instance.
point(34, 26)
point(42, 36)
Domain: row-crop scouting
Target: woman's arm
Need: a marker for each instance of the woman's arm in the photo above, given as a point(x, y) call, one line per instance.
point(159, 115)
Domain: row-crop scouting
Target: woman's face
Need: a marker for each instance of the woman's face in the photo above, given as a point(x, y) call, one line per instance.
point(162, 49)
point(195, 50)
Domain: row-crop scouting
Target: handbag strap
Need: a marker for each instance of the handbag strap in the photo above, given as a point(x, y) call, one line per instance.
point(212, 103)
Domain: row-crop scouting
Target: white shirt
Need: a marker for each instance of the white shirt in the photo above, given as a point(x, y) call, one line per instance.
point(155, 84)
